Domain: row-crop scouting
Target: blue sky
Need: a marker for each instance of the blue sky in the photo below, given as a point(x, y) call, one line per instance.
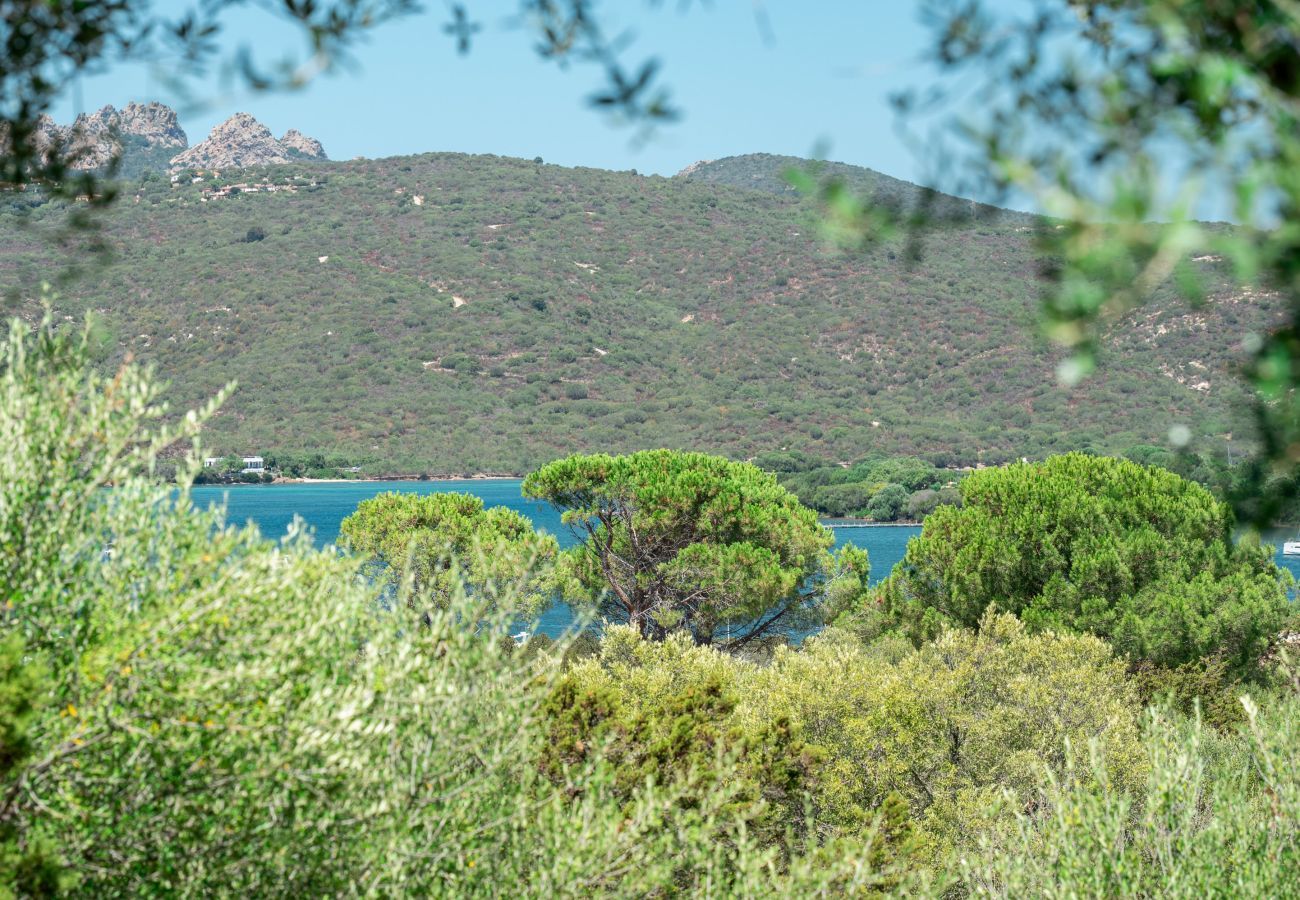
point(822, 80)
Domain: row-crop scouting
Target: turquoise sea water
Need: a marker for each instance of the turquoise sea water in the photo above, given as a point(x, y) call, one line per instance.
point(323, 506)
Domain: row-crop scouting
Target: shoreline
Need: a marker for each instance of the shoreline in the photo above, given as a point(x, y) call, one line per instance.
point(839, 522)
point(829, 522)
point(481, 476)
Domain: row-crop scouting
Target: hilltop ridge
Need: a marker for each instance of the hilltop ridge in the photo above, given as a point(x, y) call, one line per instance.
point(766, 172)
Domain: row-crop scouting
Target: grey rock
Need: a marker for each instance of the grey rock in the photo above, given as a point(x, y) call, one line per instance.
point(155, 123)
point(297, 142)
point(95, 139)
point(242, 141)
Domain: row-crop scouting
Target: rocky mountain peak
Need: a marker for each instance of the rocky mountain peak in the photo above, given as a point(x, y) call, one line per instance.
point(146, 136)
point(242, 141)
point(154, 122)
point(94, 139)
point(48, 133)
point(294, 140)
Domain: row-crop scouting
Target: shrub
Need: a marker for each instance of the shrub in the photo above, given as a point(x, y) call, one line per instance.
point(951, 726)
point(1135, 555)
point(1213, 818)
point(839, 500)
point(887, 503)
point(647, 710)
point(921, 504)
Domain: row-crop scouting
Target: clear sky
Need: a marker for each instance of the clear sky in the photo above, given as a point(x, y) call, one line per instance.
point(819, 76)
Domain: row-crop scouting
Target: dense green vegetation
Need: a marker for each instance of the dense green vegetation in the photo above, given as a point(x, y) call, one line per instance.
point(690, 542)
point(889, 489)
point(311, 465)
point(488, 314)
point(203, 711)
point(940, 732)
point(184, 703)
point(885, 489)
point(437, 544)
point(1136, 555)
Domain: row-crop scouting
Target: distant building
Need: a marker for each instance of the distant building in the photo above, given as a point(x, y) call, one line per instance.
point(253, 464)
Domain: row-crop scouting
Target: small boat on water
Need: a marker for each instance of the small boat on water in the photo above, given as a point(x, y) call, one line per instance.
point(1291, 548)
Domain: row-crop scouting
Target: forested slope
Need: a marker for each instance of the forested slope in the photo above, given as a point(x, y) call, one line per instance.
point(446, 313)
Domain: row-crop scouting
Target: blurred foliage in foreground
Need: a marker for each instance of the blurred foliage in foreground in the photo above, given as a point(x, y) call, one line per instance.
point(1125, 121)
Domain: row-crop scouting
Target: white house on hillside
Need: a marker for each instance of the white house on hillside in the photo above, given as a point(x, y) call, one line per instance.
point(253, 464)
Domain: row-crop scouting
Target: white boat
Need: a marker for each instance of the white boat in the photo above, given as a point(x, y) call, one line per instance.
point(1291, 548)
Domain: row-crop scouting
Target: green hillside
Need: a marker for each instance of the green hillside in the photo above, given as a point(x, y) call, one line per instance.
point(766, 172)
point(446, 313)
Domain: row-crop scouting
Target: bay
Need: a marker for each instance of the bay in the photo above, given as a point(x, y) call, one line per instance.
point(324, 505)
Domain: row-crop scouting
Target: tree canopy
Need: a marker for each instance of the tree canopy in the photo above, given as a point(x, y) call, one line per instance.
point(440, 541)
point(686, 541)
point(1136, 555)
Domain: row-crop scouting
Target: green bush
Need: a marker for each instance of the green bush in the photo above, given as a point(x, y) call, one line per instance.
point(888, 503)
point(951, 726)
point(1136, 555)
point(939, 733)
point(645, 710)
point(1212, 818)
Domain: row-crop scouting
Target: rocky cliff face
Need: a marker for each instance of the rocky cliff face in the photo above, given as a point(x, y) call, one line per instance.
point(242, 141)
point(155, 123)
point(48, 134)
point(693, 168)
point(297, 142)
point(94, 139)
point(144, 137)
